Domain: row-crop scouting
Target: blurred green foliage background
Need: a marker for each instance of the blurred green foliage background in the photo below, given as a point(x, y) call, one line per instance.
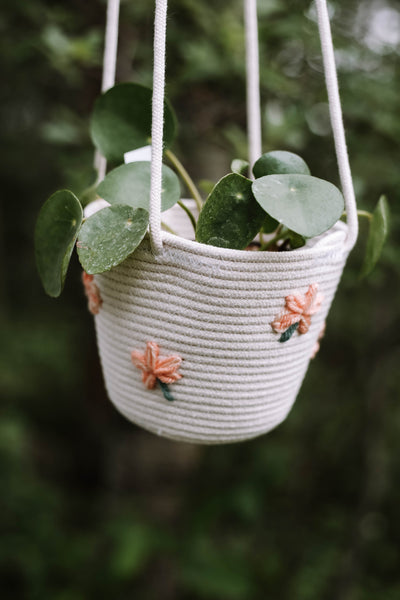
point(94, 507)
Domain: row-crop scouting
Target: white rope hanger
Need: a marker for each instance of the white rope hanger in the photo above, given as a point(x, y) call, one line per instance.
point(157, 126)
point(109, 67)
point(252, 81)
point(253, 104)
point(335, 110)
point(254, 121)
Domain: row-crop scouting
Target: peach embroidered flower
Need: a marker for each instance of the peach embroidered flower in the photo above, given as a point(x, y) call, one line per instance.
point(92, 293)
point(163, 370)
point(299, 308)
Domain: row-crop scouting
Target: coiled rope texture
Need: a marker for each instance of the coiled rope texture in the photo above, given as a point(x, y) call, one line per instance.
point(214, 307)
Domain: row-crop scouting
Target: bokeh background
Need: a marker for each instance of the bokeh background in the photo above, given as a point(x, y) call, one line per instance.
point(92, 507)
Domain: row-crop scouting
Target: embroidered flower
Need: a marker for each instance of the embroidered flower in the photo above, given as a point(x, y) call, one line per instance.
point(163, 370)
point(317, 344)
point(299, 308)
point(92, 293)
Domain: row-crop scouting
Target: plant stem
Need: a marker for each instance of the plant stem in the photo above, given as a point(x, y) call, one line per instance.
point(361, 213)
point(168, 228)
point(271, 242)
point(186, 178)
point(280, 234)
point(364, 213)
point(189, 214)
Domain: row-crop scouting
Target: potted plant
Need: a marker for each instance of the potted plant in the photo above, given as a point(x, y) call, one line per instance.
point(208, 341)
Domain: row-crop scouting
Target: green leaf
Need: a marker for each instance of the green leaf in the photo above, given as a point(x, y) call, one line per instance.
point(286, 335)
point(378, 231)
point(306, 205)
point(296, 240)
point(88, 194)
point(280, 162)
point(240, 166)
point(109, 236)
point(130, 184)
point(56, 230)
point(121, 120)
point(230, 217)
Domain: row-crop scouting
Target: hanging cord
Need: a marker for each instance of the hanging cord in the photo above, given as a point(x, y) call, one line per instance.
point(335, 109)
point(254, 120)
point(109, 66)
point(253, 106)
point(252, 81)
point(157, 126)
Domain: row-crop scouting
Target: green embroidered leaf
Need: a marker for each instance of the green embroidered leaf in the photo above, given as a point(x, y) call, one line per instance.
point(56, 230)
point(280, 162)
point(130, 184)
point(286, 335)
point(230, 217)
point(109, 236)
point(166, 391)
point(240, 166)
point(121, 120)
point(378, 231)
point(306, 205)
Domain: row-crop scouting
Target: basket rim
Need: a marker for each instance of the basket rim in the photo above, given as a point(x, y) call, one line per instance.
point(330, 243)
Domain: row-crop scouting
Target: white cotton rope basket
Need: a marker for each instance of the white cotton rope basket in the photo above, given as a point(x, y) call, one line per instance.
point(213, 307)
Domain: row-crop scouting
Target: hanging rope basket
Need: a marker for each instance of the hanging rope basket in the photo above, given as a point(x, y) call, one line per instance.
point(191, 337)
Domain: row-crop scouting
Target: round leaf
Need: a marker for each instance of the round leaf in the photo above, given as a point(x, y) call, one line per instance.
point(306, 205)
point(130, 184)
point(378, 231)
point(291, 240)
point(296, 240)
point(280, 162)
point(230, 217)
point(121, 120)
point(56, 230)
point(109, 236)
point(240, 166)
